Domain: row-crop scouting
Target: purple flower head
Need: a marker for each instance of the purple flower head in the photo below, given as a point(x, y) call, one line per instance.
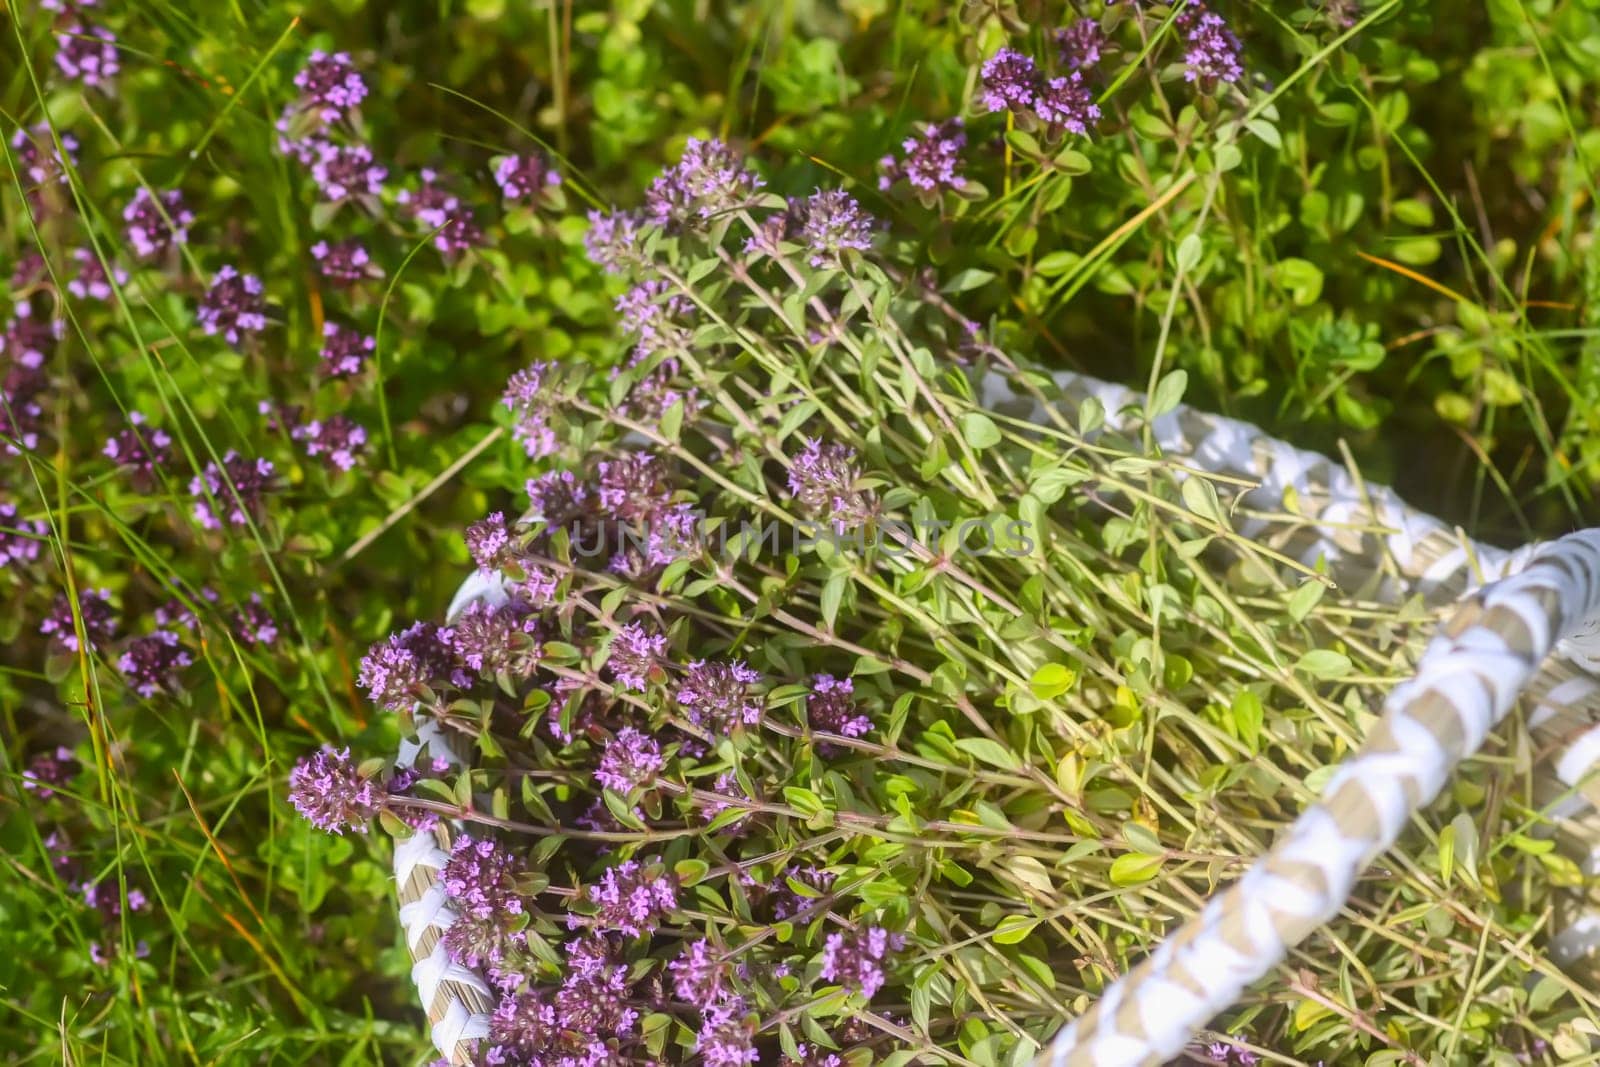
point(337, 440)
point(725, 785)
point(833, 222)
point(496, 639)
point(822, 480)
point(523, 177)
point(176, 613)
point(91, 283)
point(855, 960)
point(94, 608)
point(655, 320)
point(39, 159)
point(430, 204)
point(1010, 81)
point(632, 898)
point(239, 486)
point(141, 450)
point(481, 878)
point(1068, 103)
point(634, 654)
point(344, 350)
point(716, 695)
point(344, 262)
point(23, 383)
point(461, 234)
point(524, 390)
point(343, 171)
point(832, 707)
point(633, 486)
point(932, 159)
point(592, 1004)
point(1212, 52)
point(557, 498)
point(87, 54)
point(155, 227)
point(490, 543)
point(726, 1039)
point(30, 272)
point(253, 624)
point(674, 534)
point(653, 395)
point(631, 760)
point(232, 306)
point(330, 85)
point(709, 179)
point(613, 240)
point(328, 791)
point(700, 975)
point(48, 770)
point(19, 537)
point(397, 670)
point(523, 1029)
point(152, 663)
point(810, 1056)
point(28, 339)
point(1081, 44)
point(788, 904)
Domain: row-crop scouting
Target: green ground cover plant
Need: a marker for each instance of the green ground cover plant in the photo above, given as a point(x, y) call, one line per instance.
point(271, 269)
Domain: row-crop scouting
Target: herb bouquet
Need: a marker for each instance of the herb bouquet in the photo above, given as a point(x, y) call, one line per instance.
point(814, 714)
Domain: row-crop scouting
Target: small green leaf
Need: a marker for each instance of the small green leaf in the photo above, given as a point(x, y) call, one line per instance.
point(1169, 392)
point(1051, 680)
point(1304, 599)
point(1189, 251)
point(968, 279)
point(979, 430)
point(1135, 868)
point(1324, 663)
point(991, 752)
point(1014, 928)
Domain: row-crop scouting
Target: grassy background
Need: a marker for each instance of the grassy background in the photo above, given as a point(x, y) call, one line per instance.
point(1402, 259)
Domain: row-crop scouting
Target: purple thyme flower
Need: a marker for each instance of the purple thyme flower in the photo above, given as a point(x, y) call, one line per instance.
point(833, 222)
point(1010, 81)
point(253, 625)
point(708, 180)
point(716, 694)
point(31, 272)
point(154, 227)
point(653, 395)
point(810, 1056)
point(328, 790)
point(557, 498)
point(832, 707)
point(490, 543)
point(726, 1038)
point(789, 904)
point(330, 85)
point(725, 785)
point(343, 171)
point(431, 204)
point(91, 283)
point(655, 320)
point(23, 383)
point(1067, 102)
point(238, 486)
point(397, 670)
point(822, 481)
point(633, 486)
point(631, 760)
point(39, 159)
point(674, 534)
point(632, 898)
point(612, 240)
point(344, 262)
point(94, 608)
point(152, 663)
point(87, 53)
point(344, 350)
point(634, 653)
point(232, 306)
point(523, 177)
point(700, 975)
point(592, 1004)
point(481, 877)
point(461, 234)
point(932, 159)
point(50, 769)
point(855, 960)
point(176, 613)
point(1081, 44)
point(140, 450)
point(19, 537)
point(29, 339)
point(522, 1030)
point(337, 440)
point(496, 639)
point(1212, 53)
